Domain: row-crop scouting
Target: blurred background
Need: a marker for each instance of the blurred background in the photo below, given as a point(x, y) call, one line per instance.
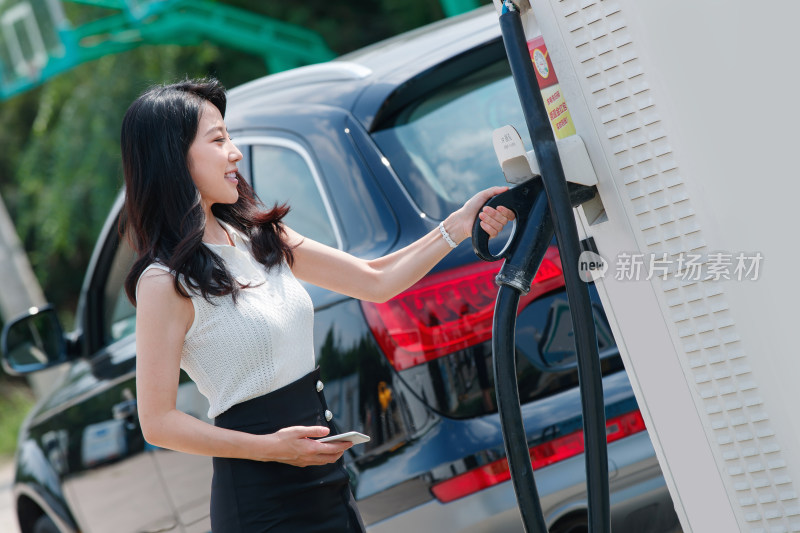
point(59, 124)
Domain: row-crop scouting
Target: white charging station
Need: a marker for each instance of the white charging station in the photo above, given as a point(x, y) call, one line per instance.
point(687, 111)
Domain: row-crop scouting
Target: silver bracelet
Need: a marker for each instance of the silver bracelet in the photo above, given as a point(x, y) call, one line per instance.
point(446, 235)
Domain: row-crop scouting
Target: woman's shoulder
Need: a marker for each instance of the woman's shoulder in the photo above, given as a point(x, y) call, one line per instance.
point(155, 276)
point(159, 301)
point(157, 265)
point(156, 270)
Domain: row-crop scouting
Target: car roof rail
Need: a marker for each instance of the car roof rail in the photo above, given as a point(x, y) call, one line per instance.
point(319, 73)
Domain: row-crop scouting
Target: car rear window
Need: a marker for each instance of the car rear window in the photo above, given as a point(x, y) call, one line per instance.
point(440, 146)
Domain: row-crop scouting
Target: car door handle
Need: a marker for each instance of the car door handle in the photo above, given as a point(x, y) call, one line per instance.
point(124, 410)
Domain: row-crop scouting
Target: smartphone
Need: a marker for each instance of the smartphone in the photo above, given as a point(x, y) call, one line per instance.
point(351, 436)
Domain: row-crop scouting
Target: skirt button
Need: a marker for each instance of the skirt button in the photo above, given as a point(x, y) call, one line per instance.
point(320, 386)
point(328, 415)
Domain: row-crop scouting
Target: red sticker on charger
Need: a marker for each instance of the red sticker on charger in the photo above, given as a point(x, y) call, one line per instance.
point(545, 73)
point(554, 101)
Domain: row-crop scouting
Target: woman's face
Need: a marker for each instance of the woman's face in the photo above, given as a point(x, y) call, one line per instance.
point(212, 159)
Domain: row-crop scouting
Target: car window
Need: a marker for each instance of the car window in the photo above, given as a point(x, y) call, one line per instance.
point(284, 173)
point(441, 144)
point(119, 316)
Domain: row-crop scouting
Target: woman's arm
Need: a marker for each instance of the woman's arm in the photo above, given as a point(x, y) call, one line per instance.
point(162, 319)
point(378, 280)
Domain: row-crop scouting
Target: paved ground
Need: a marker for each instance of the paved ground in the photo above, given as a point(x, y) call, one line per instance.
point(8, 523)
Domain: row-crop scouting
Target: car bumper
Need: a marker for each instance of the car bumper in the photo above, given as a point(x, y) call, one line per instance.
point(639, 498)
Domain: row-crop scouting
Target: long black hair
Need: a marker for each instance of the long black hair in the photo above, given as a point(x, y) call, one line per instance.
point(163, 219)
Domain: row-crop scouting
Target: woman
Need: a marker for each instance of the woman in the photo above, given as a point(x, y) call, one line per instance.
point(216, 294)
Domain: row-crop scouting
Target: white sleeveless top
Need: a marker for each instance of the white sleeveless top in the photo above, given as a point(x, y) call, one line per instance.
point(235, 352)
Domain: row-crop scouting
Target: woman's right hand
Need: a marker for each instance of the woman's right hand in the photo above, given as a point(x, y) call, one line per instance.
point(296, 446)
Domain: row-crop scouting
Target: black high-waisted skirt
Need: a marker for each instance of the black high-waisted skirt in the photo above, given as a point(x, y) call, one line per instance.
point(257, 497)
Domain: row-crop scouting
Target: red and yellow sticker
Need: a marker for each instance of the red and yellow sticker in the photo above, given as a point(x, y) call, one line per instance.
point(554, 101)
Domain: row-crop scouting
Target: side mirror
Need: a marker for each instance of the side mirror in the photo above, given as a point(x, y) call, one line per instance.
point(32, 342)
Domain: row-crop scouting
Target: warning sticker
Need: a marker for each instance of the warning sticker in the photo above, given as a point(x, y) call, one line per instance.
point(553, 98)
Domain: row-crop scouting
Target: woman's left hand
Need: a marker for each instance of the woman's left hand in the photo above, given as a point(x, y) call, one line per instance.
point(459, 224)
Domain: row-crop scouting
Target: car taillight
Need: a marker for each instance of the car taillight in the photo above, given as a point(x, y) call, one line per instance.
point(542, 455)
point(448, 311)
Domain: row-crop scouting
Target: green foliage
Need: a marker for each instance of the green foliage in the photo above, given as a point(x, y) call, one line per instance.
point(346, 26)
point(16, 119)
point(60, 165)
point(15, 402)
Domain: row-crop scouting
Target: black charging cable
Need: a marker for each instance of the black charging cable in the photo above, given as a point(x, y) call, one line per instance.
point(523, 255)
